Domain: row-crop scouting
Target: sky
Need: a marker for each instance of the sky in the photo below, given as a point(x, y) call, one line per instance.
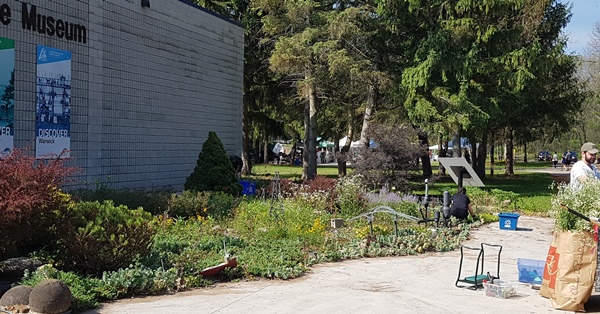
point(585, 15)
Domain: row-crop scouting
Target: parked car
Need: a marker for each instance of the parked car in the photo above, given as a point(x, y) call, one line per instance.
point(544, 155)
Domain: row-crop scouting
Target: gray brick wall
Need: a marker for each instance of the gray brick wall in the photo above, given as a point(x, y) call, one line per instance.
point(147, 87)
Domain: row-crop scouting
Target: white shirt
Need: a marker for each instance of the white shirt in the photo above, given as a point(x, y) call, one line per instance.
point(579, 169)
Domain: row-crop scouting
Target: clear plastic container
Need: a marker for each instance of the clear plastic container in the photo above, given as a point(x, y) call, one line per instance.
point(500, 289)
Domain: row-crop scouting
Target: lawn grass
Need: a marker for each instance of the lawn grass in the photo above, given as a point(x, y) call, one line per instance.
point(291, 172)
point(532, 188)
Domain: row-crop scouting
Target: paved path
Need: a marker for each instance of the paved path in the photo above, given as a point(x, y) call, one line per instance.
point(410, 284)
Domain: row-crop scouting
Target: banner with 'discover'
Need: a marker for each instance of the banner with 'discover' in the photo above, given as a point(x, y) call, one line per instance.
point(53, 106)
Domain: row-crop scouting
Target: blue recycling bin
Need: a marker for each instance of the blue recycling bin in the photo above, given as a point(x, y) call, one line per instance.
point(248, 188)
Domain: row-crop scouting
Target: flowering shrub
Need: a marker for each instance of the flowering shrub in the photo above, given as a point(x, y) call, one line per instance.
point(584, 200)
point(350, 196)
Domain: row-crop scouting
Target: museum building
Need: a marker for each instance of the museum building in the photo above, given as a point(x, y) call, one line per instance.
point(129, 89)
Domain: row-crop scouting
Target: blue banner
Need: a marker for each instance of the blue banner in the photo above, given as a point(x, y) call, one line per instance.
point(7, 95)
point(53, 104)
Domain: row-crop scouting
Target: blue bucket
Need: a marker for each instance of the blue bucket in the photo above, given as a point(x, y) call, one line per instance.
point(248, 188)
point(508, 221)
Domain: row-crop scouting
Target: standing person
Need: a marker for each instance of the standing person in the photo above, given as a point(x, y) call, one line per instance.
point(585, 168)
point(555, 160)
point(461, 205)
point(568, 159)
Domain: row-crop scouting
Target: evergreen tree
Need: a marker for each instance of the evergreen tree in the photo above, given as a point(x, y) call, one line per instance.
point(213, 171)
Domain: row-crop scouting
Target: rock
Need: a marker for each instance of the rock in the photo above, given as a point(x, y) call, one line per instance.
point(50, 296)
point(18, 295)
point(14, 267)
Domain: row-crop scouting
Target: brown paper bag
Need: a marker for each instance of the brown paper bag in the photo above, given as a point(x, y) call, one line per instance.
point(570, 269)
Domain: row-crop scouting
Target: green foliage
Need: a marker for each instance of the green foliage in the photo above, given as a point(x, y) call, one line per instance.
point(87, 292)
point(583, 199)
point(213, 171)
point(201, 204)
point(350, 200)
point(283, 258)
point(189, 204)
point(136, 280)
point(153, 201)
point(408, 207)
point(536, 205)
point(221, 205)
point(96, 237)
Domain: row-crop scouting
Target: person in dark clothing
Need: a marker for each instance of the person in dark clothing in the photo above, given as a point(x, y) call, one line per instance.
point(461, 205)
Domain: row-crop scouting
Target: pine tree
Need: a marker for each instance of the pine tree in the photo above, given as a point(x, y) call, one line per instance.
point(213, 171)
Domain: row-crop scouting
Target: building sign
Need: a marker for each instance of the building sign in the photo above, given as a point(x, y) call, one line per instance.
point(7, 94)
point(33, 20)
point(53, 106)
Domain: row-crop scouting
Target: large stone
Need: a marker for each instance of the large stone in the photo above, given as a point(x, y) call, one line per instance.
point(14, 267)
point(18, 295)
point(50, 296)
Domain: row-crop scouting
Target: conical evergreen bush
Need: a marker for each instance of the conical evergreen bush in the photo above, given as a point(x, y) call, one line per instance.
point(213, 171)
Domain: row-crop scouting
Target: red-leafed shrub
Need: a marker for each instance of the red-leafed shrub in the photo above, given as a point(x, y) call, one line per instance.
point(28, 188)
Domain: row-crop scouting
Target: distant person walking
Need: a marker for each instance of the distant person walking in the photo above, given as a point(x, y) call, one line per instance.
point(568, 159)
point(555, 160)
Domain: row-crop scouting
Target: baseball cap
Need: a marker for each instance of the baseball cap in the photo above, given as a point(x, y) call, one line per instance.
point(590, 148)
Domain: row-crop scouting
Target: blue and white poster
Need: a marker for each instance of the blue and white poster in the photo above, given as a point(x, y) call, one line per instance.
point(53, 107)
point(7, 95)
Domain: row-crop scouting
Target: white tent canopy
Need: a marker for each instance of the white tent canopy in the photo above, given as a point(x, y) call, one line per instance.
point(345, 139)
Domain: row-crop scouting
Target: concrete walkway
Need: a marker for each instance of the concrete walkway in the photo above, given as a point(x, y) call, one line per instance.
point(410, 284)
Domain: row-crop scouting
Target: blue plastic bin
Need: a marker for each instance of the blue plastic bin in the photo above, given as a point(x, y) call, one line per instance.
point(508, 221)
point(249, 188)
point(530, 270)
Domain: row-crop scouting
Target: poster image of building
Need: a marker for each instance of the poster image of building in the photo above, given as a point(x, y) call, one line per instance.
point(7, 94)
point(53, 102)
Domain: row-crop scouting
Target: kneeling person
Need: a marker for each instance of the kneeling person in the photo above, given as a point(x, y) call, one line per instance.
point(461, 205)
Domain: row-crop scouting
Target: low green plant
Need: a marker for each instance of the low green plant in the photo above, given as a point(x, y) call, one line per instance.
point(539, 205)
point(282, 259)
point(188, 204)
point(87, 292)
point(220, 205)
point(153, 201)
point(139, 279)
point(94, 237)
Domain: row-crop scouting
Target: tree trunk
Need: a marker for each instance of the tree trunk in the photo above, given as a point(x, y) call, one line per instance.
point(524, 151)
point(456, 149)
point(265, 151)
point(481, 156)
point(425, 161)
point(312, 141)
point(305, 144)
point(369, 109)
point(342, 154)
point(510, 160)
point(442, 152)
point(492, 154)
point(256, 151)
point(246, 139)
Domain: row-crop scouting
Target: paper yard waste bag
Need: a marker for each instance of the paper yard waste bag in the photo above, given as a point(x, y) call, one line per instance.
point(570, 269)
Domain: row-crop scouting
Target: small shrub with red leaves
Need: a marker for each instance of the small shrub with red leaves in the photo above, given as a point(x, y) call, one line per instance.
point(28, 188)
